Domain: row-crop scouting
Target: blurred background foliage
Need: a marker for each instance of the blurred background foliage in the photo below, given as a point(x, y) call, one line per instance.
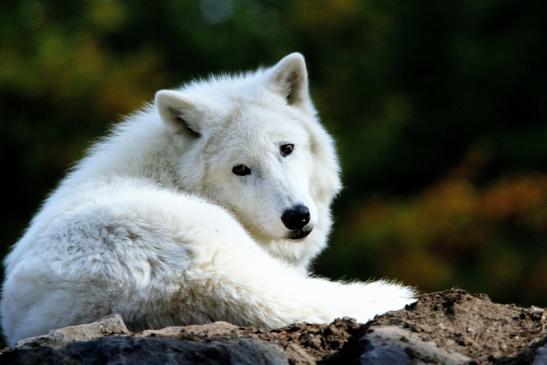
point(439, 110)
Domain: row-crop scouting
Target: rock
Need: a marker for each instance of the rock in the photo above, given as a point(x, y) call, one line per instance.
point(449, 327)
point(111, 325)
point(151, 351)
point(540, 357)
point(193, 331)
point(471, 325)
point(386, 345)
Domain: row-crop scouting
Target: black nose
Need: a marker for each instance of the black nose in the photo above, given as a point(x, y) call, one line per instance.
point(296, 217)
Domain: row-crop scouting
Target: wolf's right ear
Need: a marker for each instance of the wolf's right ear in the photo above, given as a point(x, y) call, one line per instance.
point(289, 78)
point(178, 112)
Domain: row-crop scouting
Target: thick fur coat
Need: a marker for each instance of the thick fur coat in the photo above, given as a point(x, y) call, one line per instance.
point(206, 205)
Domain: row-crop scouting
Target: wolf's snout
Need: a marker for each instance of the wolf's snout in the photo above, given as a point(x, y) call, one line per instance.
point(296, 217)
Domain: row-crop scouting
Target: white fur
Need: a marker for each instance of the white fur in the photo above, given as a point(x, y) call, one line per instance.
point(154, 225)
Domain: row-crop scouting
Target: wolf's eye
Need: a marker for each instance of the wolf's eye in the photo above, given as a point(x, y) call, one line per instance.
point(241, 170)
point(286, 149)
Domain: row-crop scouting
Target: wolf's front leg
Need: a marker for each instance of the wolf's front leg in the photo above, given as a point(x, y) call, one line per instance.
point(242, 284)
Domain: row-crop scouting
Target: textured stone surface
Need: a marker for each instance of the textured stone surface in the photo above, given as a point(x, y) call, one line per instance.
point(450, 327)
point(540, 357)
point(108, 326)
point(473, 326)
point(393, 345)
point(152, 350)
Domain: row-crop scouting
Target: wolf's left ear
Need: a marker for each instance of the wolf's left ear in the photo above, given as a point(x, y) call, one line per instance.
point(180, 113)
point(289, 78)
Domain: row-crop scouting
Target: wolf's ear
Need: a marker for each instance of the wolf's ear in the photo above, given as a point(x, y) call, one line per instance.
point(289, 78)
point(178, 112)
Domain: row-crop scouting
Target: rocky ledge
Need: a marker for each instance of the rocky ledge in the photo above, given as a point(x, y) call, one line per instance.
point(449, 327)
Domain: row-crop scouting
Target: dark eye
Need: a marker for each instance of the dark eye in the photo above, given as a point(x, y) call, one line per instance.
point(286, 149)
point(241, 170)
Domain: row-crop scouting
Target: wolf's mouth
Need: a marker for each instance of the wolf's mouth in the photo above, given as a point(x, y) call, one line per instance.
point(297, 234)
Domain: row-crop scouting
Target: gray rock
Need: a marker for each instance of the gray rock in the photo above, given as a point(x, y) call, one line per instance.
point(540, 357)
point(151, 351)
point(392, 345)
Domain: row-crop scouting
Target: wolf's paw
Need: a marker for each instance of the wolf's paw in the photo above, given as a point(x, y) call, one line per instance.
point(381, 296)
point(391, 294)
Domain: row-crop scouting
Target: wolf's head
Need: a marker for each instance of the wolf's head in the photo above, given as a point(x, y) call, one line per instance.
point(254, 145)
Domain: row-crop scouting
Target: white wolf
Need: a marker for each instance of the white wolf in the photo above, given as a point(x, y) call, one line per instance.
point(207, 205)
